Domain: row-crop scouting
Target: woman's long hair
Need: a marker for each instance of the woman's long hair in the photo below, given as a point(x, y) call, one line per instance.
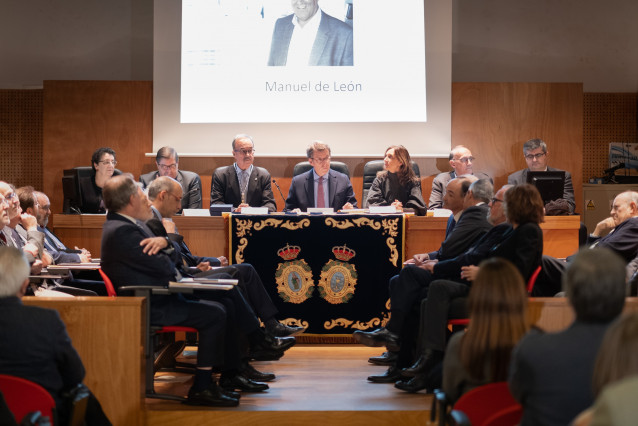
point(405, 173)
point(497, 308)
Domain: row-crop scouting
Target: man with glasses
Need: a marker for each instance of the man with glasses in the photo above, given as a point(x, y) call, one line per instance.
point(461, 160)
point(167, 162)
point(242, 184)
point(535, 152)
point(320, 186)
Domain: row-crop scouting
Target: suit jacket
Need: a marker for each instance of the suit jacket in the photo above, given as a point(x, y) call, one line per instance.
point(301, 194)
point(191, 185)
point(332, 46)
point(125, 264)
point(623, 239)
point(34, 345)
point(520, 177)
point(386, 188)
point(551, 373)
point(451, 268)
point(92, 194)
point(440, 182)
point(56, 248)
point(523, 247)
point(225, 188)
point(471, 226)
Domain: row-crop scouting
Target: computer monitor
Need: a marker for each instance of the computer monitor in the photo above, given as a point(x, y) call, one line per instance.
point(550, 184)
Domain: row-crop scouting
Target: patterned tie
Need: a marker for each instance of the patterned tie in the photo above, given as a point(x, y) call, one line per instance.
point(3, 238)
point(243, 184)
point(320, 194)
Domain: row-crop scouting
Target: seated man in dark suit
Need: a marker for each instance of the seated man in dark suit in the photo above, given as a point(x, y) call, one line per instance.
point(167, 162)
point(164, 193)
point(535, 153)
point(242, 184)
point(132, 255)
point(34, 343)
point(551, 373)
point(407, 288)
point(321, 186)
point(330, 43)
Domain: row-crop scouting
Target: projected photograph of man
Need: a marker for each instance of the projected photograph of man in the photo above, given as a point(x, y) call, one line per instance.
point(309, 36)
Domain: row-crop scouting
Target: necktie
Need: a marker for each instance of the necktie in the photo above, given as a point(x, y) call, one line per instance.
point(243, 184)
point(3, 238)
point(320, 194)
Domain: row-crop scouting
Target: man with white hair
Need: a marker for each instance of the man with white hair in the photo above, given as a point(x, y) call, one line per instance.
point(34, 344)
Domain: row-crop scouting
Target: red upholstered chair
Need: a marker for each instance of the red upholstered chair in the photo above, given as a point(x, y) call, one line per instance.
point(455, 322)
point(153, 330)
point(491, 404)
point(23, 396)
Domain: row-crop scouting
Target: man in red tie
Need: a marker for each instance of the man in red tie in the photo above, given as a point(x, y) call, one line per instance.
point(321, 186)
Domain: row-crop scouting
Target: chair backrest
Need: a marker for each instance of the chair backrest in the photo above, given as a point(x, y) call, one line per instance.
point(370, 170)
point(110, 290)
point(506, 417)
point(24, 396)
point(304, 166)
point(481, 403)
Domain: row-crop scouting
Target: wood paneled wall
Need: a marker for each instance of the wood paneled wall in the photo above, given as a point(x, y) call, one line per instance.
point(493, 119)
point(81, 116)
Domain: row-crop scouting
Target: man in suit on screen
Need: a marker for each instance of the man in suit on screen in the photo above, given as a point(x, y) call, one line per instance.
point(309, 36)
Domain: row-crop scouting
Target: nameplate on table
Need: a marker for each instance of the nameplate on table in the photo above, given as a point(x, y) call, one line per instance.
point(383, 209)
point(321, 210)
point(254, 210)
point(196, 212)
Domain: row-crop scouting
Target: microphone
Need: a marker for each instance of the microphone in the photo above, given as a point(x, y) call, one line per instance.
point(279, 189)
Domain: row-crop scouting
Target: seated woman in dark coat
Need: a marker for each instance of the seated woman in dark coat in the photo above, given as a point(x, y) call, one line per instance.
point(497, 308)
point(103, 163)
point(397, 185)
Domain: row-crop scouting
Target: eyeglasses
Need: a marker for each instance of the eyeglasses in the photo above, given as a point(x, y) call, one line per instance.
point(245, 151)
point(321, 160)
point(465, 160)
point(107, 162)
point(10, 195)
point(496, 200)
point(535, 156)
point(166, 167)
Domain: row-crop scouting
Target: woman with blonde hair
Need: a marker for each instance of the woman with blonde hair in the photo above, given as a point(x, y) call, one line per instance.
point(397, 184)
point(497, 307)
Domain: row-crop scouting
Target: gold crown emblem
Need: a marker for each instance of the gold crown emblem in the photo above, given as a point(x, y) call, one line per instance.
point(289, 252)
point(343, 253)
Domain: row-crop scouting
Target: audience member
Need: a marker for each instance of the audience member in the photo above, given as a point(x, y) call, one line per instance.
point(132, 255)
point(34, 240)
point(243, 184)
point(551, 373)
point(397, 185)
point(167, 162)
point(164, 194)
point(103, 163)
point(321, 186)
point(409, 287)
point(536, 155)
point(497, 308)
point(34, 343)
point(520, 242)
point(619, 232)
point(461, 160)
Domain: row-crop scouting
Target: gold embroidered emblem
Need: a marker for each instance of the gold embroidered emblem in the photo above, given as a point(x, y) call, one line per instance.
point(293, 278)
point(338, 278)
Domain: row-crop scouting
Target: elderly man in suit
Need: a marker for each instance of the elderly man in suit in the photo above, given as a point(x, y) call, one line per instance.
point(320, 186)
point(310, 37)
point(461, 160)
point(34, 344)
point(536, 155)
point(242, 184)
point(167, 162)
